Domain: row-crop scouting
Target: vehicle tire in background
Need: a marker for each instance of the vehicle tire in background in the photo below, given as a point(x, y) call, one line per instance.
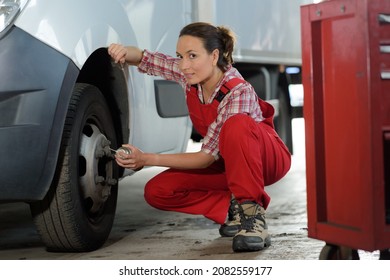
point(78, 211)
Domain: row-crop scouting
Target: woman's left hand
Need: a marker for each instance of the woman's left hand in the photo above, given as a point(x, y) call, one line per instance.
point(133, 160)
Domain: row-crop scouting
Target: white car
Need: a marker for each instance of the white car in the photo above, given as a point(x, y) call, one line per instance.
point(64, 104)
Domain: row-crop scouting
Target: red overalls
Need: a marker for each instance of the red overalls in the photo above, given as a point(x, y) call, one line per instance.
point(252, 156)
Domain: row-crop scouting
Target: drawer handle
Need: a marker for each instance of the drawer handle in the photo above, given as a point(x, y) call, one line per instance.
point(384, 48)
point(385, 75)
point(384, 19)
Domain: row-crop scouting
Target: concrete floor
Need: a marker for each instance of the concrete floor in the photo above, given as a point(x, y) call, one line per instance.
point(141, 232)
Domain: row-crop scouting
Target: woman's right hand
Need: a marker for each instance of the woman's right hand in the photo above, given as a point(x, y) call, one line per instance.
point(133, 160)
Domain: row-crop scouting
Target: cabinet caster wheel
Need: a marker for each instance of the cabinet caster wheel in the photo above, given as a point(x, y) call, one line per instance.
point(384, 254)
point(334, 252)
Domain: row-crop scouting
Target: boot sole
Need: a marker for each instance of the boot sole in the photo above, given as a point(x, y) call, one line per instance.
point(249, 244)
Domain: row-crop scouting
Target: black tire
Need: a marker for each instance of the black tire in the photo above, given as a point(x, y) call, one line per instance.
point(283, 124)
point(384, 254)
point(78, 212)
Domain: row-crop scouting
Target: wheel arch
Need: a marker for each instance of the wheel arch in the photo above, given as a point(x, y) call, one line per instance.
point(111, 80)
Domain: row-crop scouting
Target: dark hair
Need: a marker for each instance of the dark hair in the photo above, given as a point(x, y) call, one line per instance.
point(213, 37)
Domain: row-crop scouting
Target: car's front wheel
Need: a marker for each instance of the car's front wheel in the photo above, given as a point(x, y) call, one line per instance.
point(78, 212)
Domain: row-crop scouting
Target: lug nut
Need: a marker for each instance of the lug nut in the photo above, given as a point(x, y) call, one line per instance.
point(112, 181)
point(99, 179)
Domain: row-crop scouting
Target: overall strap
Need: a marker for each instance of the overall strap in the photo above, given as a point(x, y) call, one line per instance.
point(226, 87)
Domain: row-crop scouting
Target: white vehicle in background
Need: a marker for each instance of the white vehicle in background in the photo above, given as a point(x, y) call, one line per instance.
point(64, 103)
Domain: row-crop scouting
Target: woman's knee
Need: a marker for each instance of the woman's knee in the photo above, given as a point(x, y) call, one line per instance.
point(159, 190)
point(151, 192)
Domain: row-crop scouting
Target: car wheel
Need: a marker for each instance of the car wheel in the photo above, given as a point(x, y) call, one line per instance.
point(78, 212)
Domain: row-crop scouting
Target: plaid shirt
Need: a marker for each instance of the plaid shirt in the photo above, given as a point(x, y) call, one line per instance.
point(241, 99)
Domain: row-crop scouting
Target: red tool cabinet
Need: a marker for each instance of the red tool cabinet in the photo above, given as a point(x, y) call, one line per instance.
point(346, 79)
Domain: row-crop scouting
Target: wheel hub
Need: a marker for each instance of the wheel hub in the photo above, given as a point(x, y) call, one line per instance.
point(96, 167)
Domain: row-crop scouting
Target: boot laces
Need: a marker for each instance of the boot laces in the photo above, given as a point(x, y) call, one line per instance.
point(234, 211)
point(254, 221)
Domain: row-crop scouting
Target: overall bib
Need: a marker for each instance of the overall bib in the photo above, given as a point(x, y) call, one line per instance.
point(252, 156)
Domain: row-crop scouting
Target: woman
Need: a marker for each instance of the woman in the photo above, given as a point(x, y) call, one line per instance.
point(241, 153)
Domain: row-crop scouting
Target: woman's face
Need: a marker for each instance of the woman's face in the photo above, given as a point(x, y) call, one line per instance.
point(196, 63)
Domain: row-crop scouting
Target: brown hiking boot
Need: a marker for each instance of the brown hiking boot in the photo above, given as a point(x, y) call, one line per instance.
point(253, 235)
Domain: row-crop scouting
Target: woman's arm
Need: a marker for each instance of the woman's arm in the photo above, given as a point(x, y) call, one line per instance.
point(138, 159)
point(152, 63)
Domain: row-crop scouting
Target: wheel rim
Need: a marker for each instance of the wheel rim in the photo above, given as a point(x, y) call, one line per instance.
point(95, 169)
